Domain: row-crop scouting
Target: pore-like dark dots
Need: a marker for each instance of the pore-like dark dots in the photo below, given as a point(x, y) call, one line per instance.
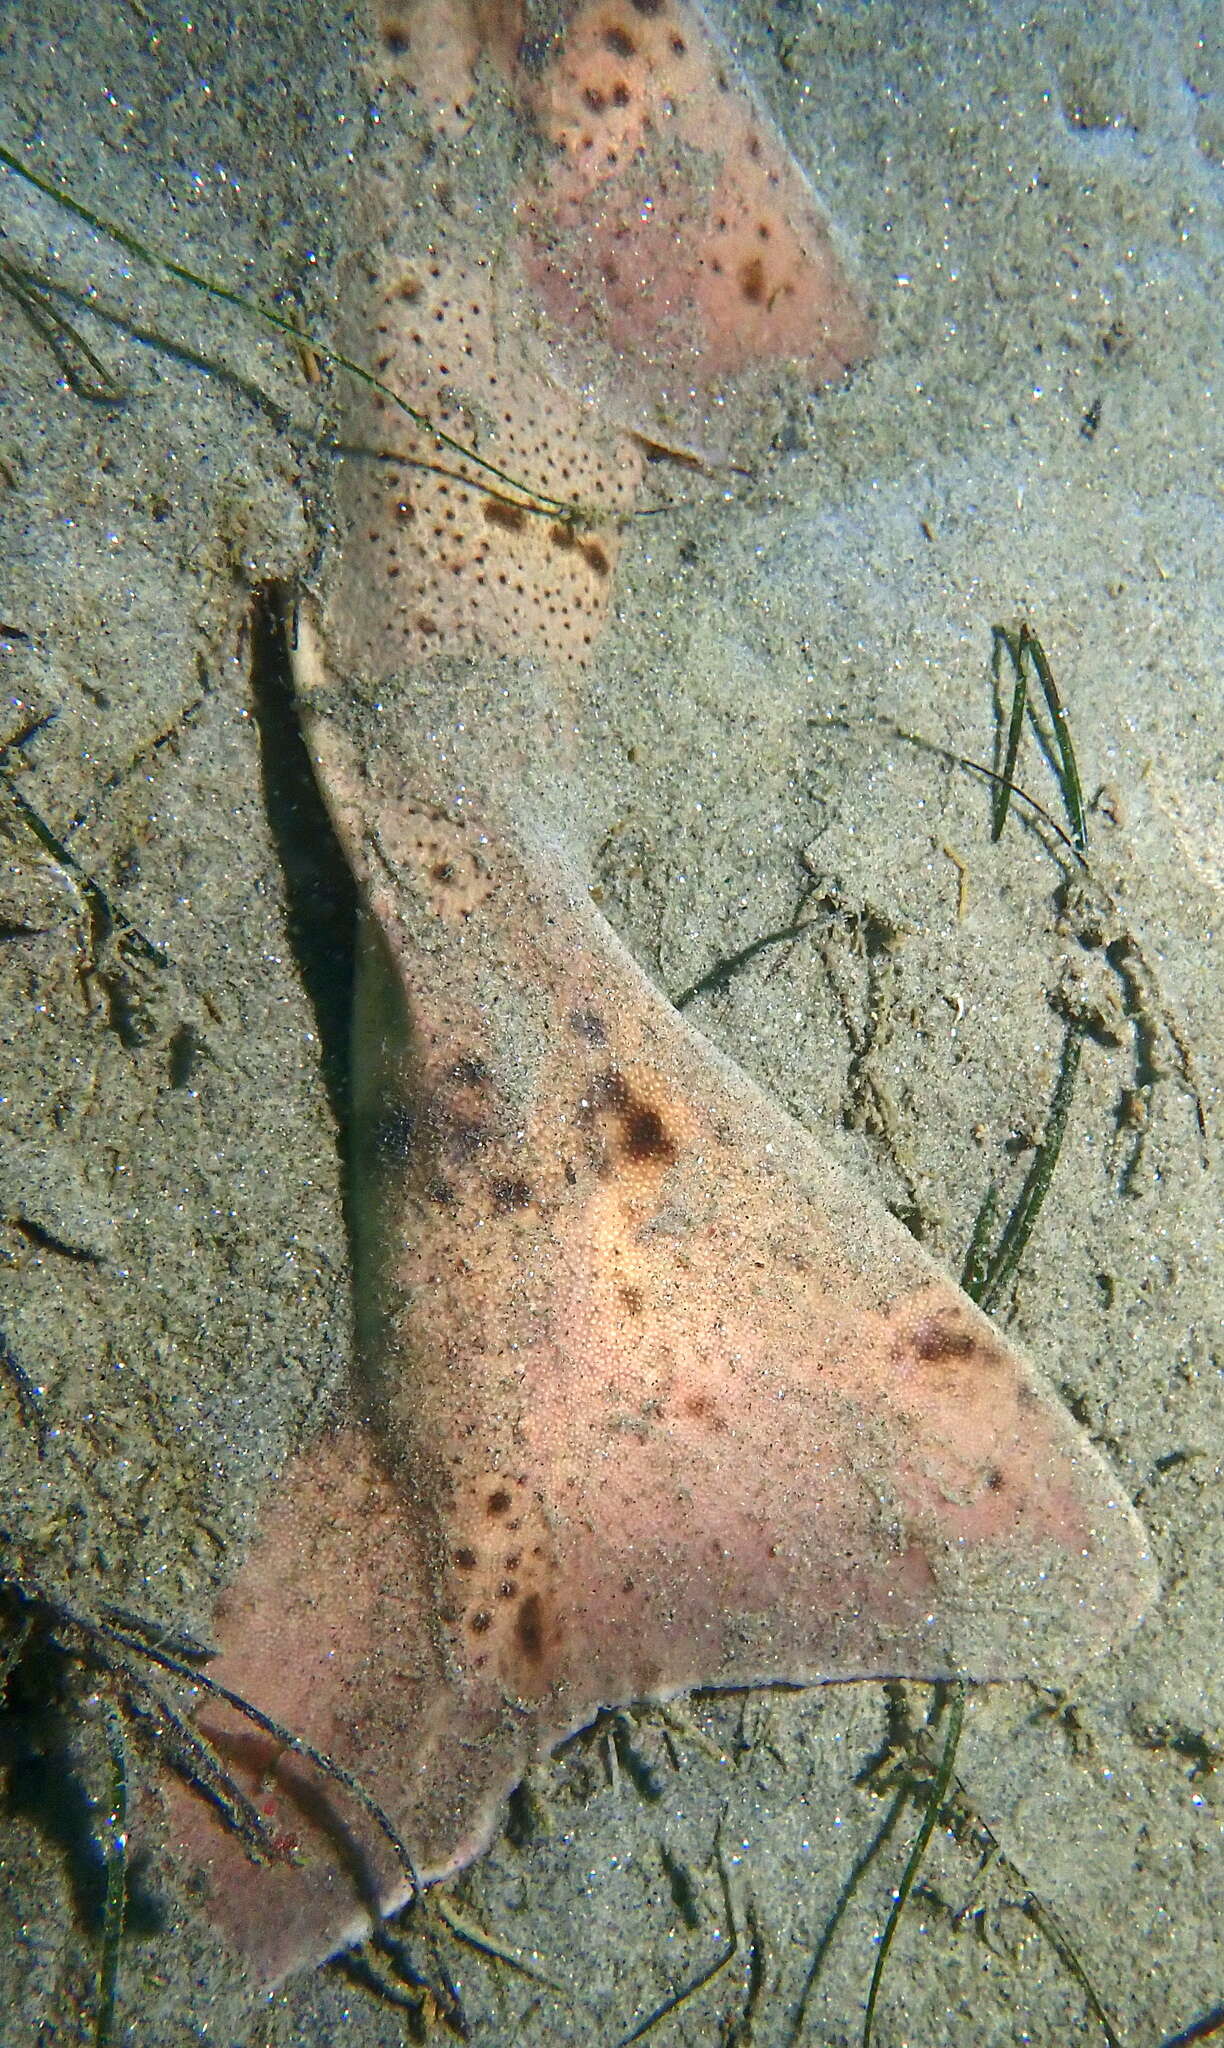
point(497, 1504)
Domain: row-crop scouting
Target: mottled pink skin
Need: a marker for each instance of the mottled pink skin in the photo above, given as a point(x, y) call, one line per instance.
point(675, 242)
point(656, 1399)
point(651, 1395)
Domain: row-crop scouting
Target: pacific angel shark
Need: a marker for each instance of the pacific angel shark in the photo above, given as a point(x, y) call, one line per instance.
point(651, 1395)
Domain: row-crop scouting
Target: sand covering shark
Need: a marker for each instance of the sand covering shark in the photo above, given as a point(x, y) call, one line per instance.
point(650, 1395)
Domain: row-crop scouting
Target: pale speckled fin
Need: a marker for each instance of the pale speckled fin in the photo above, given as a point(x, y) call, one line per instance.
point(657, 1398)
point(654, 1396)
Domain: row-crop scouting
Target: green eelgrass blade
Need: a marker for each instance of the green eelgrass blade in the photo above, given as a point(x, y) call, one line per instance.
point(977, 1258)
point(938, 1792)
point(60, 336)
point(1018, 644)
point(531, 501)
point(1003, 787)
point(993, 1276)
point(1073, 796)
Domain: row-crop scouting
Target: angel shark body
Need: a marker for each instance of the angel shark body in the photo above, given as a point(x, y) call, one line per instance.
point(651, 1395)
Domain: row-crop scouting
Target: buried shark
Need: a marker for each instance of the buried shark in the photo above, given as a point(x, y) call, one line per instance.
point(651, 1395)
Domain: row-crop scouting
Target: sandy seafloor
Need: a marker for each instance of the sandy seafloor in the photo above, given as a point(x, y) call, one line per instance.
point(1034, 199)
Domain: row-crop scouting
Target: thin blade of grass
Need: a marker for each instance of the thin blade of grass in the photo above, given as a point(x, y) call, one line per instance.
point(991, 775)
point(60, 336)
point(1001, 638)
point(1019, 1226)
point(278, 323)
point(106, 1632)
point(707, 1976)
point(977, 1258)
point(943, 1779)
point(1073, 796)
point(845, 1897)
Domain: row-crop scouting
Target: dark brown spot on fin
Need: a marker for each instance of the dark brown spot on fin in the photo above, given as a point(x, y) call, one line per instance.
point(644, 1135)
point(752, 281)
point(933, 1342)
point(596, 558)
point(511, 518)
point(529, 1627)
point(589, 1025)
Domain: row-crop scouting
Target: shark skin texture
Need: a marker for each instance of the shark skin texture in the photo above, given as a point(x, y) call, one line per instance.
point(650, 1394)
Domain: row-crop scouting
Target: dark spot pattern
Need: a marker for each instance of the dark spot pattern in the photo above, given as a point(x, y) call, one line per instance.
point(529, 1627)
point(934, 1342)
point(643, 1137)
point(752, 281)
point(511, 518)
point(589, 1025)
point(703, 1408)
